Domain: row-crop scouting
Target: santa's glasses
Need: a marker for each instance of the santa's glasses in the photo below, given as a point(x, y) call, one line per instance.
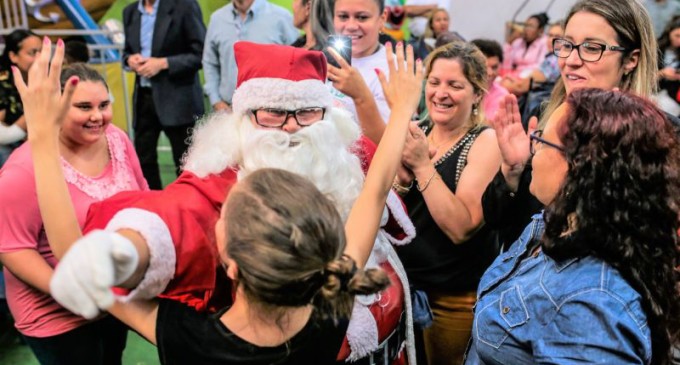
point(277, 118)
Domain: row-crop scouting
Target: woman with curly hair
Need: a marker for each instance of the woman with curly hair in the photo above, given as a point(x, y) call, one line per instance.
point(606, 44)
point(593, 278)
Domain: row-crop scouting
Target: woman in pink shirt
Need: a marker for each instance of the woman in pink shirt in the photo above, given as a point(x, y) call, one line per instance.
point(98, 161)
point(495, 92)
point(527, 53)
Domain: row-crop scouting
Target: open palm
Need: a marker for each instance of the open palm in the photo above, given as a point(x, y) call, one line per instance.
point(513, 141)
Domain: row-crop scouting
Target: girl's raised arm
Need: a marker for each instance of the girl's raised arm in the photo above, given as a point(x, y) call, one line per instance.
point(44, 109)
point(45, 106)
point(403, 91)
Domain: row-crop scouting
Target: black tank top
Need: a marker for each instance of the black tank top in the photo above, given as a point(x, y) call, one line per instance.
point(431, 260)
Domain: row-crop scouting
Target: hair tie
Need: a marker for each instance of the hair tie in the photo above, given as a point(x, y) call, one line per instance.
point(348, 275)
point(345, 276)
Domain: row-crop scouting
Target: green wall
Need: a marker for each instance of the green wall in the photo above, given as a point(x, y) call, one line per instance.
point(207, 6)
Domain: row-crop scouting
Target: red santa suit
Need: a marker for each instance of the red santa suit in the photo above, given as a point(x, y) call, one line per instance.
point(178, 223)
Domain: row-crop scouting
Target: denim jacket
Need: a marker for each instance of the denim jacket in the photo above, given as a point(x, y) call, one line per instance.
point(532, 309)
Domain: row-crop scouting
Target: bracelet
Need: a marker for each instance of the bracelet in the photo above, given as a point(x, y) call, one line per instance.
point(401, 189)
point(427, 183)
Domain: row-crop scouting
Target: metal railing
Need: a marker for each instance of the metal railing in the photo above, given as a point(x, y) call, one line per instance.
point(13, 14)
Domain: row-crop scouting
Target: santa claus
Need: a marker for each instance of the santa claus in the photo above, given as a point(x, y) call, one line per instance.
point(283, 117)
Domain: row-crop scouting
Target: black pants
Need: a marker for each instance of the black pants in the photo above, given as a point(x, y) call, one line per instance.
point(97, 343)
point(147, 130)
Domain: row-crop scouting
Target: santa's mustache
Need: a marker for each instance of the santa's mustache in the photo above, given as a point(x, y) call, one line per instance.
point(315, 152)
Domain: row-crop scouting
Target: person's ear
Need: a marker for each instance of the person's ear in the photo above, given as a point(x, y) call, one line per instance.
point(232, 269)
point(478, 98)
point(631, 62)
point(13, 57)
point(383, 18)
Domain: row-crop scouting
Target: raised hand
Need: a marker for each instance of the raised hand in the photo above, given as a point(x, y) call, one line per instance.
point(513, 141)
point(404, 88)
point(44, 103)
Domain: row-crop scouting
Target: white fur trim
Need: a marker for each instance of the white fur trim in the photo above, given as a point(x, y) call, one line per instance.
point(361, 327)
point(280, 93)
point(362, 333)
point(361, 337)
point(394, 260)
point(214, 144)
point(397, 209)
point(161, 250)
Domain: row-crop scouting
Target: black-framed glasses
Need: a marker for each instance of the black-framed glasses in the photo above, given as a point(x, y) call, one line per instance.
point(535, 139)
point(277, 118)
point(588, 51)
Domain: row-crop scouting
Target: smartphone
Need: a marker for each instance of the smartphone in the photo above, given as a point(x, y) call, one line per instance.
point(343, 45)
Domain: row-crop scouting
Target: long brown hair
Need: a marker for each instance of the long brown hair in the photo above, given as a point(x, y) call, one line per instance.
point(634, 31)
point(623, 187)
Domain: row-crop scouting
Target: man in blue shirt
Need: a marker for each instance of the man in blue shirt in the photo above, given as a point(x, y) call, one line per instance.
point(163, 46)
point(242, 20)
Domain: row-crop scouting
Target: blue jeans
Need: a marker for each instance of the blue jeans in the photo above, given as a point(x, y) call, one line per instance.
point(97, 343)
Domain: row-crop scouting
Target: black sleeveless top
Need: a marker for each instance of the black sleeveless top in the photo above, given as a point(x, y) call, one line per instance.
point(431, 260)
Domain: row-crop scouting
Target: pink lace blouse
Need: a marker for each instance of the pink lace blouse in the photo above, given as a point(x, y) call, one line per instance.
point(35, 313)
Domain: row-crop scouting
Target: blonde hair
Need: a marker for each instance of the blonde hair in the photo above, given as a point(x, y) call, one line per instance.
point(634, 31)
point(429, 32)
point(473, 63)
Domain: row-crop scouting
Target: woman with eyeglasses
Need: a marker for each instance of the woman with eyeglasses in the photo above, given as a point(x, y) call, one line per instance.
point(592, 279)
point(607, 44)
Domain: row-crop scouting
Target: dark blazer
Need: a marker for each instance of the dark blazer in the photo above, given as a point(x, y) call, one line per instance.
point(178, 35)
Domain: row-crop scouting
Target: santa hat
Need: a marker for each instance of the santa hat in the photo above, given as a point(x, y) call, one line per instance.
point(283, 77)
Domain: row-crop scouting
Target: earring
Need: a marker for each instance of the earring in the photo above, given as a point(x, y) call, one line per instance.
point(475, 110)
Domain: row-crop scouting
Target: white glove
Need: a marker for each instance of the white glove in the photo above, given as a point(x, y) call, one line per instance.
point(83, 278)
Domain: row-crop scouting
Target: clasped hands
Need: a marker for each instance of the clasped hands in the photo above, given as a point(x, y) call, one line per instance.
point(147, 66)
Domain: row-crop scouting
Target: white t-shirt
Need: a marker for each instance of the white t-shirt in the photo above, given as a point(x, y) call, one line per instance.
point(366, 66)
point(417, 25)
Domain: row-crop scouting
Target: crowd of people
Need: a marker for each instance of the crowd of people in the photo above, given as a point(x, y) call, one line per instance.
point(432, 201)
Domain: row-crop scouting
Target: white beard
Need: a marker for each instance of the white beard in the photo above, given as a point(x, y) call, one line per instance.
point(320, 152)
